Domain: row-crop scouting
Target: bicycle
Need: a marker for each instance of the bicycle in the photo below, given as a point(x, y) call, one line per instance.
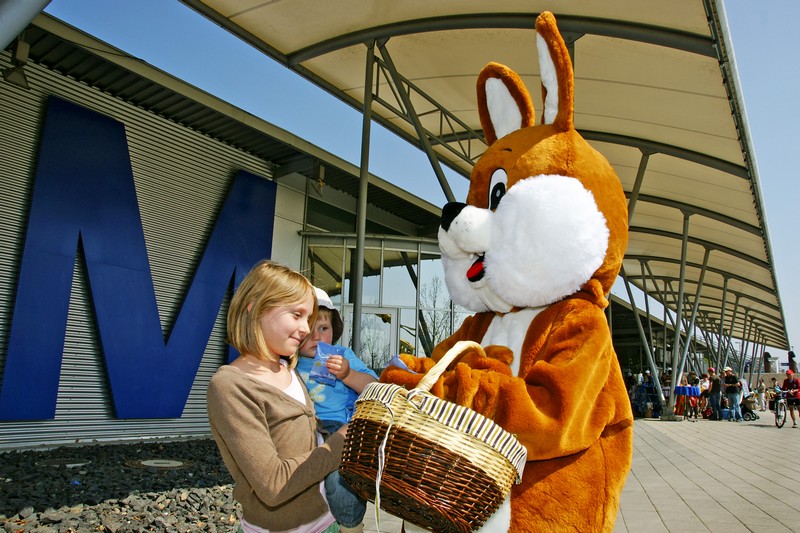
point(780, 409)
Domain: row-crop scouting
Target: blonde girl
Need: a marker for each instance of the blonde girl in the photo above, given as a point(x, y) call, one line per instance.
point(261, 416)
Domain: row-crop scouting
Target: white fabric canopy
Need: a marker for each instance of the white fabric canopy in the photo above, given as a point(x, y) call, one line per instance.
point(656, 92)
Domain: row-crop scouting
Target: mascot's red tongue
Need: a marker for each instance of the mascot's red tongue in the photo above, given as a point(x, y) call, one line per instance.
point(476, 271)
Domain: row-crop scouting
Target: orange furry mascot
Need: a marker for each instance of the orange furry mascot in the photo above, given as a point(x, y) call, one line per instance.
point(534, 252)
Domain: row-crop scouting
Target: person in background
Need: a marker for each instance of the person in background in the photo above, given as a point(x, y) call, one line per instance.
point(651, 394)
point(715, 394)
point(732, 389)
point(792, 362)
point(261, 416)
point(704, 384)
point(630, 381)
point(772, 392)
point(791, 386)
point(761, 391)
point(744, 389)
point(694, 400)
point(681, 400)
point(335, 402)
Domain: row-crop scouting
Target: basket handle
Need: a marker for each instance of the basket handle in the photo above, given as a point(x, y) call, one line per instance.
point(433, 374)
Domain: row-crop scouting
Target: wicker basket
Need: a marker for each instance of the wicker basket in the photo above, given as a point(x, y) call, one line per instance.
point(438, 465)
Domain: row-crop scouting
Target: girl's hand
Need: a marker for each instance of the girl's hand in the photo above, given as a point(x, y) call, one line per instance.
point(338, 366)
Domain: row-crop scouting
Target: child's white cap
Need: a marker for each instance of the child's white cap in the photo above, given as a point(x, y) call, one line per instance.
point(323, 300)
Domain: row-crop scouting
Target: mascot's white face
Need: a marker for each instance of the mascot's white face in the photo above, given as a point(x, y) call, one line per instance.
point(527, 236)
point(542, 242)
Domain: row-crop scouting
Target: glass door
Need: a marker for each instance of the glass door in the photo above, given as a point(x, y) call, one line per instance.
point(379, 334)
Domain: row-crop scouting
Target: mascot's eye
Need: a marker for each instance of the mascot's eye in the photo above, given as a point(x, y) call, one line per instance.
point(497, 188)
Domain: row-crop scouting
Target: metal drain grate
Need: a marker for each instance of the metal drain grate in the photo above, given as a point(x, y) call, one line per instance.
point(160, 464)
point(69, 463)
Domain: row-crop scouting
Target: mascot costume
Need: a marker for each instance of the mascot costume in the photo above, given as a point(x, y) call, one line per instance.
point(534, 252)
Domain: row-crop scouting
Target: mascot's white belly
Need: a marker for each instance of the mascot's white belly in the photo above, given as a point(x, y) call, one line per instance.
point(505, 330)
point(510, 330)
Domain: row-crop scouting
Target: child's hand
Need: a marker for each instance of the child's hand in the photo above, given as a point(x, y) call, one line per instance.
point(338, 366)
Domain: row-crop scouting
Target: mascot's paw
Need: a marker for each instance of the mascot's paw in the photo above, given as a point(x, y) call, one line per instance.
point(409, 379)
point(457, 385)
point(501, 354)
point(477, 388)
point(494, 357)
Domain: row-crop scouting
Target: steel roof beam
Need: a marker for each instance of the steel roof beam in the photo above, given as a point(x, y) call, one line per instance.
point(411, 114)
point(696, 210)
point(644, 33)
point(710, 286)
point(649, 147)
point(704, 243)
point(722, 273)
point(653, 147)
point(766, 321)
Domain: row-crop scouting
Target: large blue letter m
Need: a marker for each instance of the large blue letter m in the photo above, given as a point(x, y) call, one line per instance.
point(84, 189)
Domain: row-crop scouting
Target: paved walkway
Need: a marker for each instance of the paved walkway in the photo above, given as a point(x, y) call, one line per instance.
point(703, 476)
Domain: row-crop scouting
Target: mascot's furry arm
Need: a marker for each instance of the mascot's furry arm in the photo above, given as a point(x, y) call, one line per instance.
point(561, 404)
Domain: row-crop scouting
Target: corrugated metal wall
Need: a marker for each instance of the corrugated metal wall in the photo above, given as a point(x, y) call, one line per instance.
point(181, 178)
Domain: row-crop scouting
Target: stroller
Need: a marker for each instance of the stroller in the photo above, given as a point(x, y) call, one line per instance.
point(748, 407)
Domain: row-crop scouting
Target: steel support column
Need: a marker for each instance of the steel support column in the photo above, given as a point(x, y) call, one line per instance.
point(650, 360)
point(422, 134)
point(663, 296)
point(669, 412)
point(752, 347)
point(720, 353)
point(706, 328)
point(760, 347)
point(729, 344)
point(647, 304)
point(690, 329)
point(746, 329)
point(363, 186)
point(637, 185)
point(15, 17)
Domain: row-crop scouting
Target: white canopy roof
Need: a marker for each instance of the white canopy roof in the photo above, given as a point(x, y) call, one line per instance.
point(656, 91)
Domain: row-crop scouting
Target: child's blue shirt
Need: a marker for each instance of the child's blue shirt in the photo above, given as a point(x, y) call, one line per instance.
point(337, 401)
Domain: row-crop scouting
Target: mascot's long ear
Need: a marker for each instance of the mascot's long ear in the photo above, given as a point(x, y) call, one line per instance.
point(555, 67)
point(504, 104)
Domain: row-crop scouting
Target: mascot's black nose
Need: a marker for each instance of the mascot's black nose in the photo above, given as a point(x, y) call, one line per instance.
point(449, 213)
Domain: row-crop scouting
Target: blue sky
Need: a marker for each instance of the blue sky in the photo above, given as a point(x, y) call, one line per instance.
point(175, 39)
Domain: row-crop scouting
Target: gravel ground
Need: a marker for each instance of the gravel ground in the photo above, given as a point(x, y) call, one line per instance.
point(176, 486)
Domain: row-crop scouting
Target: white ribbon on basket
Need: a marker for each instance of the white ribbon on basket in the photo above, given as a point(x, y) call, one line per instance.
point(379, 475)
point(424, 385)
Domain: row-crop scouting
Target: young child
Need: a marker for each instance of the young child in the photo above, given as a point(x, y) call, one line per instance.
point(261, 416)
point(335, 402)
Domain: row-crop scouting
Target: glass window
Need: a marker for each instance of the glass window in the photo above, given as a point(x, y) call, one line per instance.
point(436, 323)
point(393, 271)
point(430, 269)
point(325, 269)
point(371, 287)
point(459, 315)
point(399, 278)
point(371, 284)
point(408, 331)
point(376, 339)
